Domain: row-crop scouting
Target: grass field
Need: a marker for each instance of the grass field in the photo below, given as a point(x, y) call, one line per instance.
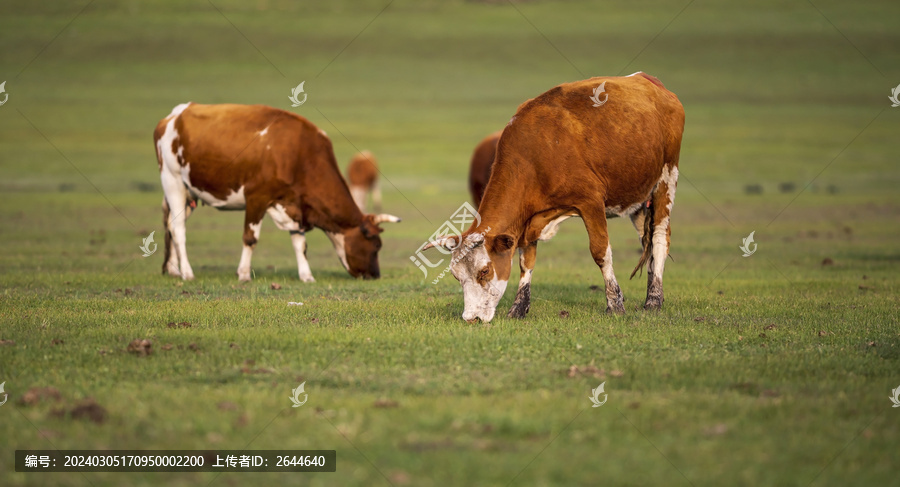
point(769, 370)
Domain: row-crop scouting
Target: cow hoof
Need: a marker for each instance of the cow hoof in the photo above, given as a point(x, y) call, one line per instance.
point(518, 311)
point(188, 277)
point(307, 279)
point(653, 306)
point(617, 310)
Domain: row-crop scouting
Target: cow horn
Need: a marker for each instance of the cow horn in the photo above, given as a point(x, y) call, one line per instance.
point(385, 218)
point(448, 243)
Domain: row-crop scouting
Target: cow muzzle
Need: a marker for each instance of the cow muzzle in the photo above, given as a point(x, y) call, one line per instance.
point(473, 316)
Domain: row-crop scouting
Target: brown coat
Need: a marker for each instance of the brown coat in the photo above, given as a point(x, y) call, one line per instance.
point(564, 154)
point(259, 159)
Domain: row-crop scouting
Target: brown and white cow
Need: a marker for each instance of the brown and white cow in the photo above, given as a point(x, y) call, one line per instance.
point(480, 167)
point(567, 153)
point(362, 176)
point(261, 160)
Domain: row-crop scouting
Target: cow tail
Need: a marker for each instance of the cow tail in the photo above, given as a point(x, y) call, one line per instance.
point(647, 238)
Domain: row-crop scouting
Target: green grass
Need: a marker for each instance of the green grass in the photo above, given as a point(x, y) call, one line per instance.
point(705, 392)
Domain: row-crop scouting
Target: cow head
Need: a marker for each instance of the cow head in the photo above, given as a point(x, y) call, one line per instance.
point(358, 246)
point(481, 263)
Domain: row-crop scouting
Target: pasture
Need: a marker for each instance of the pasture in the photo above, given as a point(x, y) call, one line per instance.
point(772, 369)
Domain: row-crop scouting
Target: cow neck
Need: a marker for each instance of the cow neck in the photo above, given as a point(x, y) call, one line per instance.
point(330, 206)
point(336, 216)
point(505, 207)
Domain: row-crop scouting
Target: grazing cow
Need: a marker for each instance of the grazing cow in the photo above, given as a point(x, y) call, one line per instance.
point(362, 176)
point(480, 168)
point(566, 153)
point(261, 160)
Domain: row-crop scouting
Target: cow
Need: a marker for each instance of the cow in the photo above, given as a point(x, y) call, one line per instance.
point(596, 149)
point(362, 176)
point(480, 167)
point(261, 160)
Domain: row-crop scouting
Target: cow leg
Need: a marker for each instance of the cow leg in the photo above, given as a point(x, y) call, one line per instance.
point(170, 261)
point(252, 225)
point(595, 223)
point(176, 198)
point(661, 206)
point(358, 193)
point(298, 238)
point(522, 304)
point(376, 196)
point(284, 221)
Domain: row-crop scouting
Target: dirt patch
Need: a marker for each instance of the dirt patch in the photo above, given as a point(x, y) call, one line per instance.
point(87, 409)
point(141, 348)
point(37, 395)
point(591, 371)
point(386, 404)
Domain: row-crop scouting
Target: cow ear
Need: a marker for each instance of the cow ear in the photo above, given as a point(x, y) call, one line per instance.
point(502, 243)
point(368, 228)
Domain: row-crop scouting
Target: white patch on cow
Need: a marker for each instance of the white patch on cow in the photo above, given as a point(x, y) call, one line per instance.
point(282, 220)
point(609, 276)
point(298, 239)
point(323, 133)
point(234, 201)
point(247, 254)
point(244, 266)
point(479, 301)
point(550, 230)
point(671, 179)
point(482, 302)
point(264, 131)
point(177, 110)
point(660, 246)
point(511, 121)
point(337, 239)
point(634, 74)
point(175, 193)
point(614, 211)
point(526, 278)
